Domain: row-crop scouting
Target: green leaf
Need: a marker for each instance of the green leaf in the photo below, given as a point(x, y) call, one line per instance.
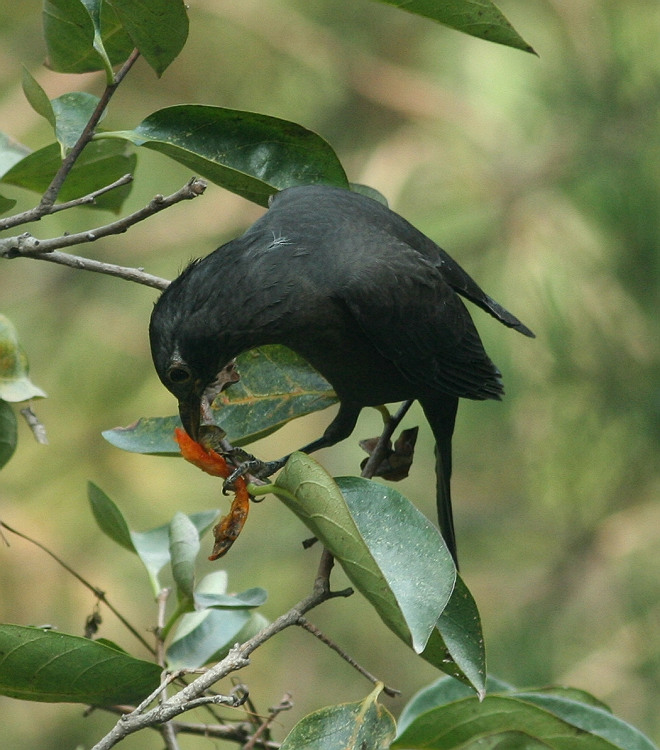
point(100, 164)
point(72, 113)
point(184, 548)
point(276, 386)
point(392, 554)
point(251, 154)
point(109, 518)
point(500, 721)
point(15, 385)
point(456, 646)
point(37, 97)
point(81, 38)
point(6, 204)
point(365, 725)
point(441, 692)
point(207, 635)
point(44, 665)
point(153, 546)
point(480, 18)
point(158, 28)
point(11, 152)
point(8, 432)
point(248, 599)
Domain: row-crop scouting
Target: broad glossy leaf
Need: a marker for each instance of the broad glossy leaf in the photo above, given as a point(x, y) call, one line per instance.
point(8, 432)
point(44, 665)
point(15, 384)
point(251, 154)
point(365, 725)
point(392, 554)
point(276, 386)
point(546, 720)
point(100, 164)
point(456, 646)
point(81, 38)
point(480, 18)
point(184, 548)
point(158, 28)
point(439, 693)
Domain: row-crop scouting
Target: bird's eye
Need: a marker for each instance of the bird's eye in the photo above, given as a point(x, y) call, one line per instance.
point(178, 374)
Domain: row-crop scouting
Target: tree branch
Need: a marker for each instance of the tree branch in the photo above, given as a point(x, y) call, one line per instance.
point(27, 246)
point(193, 696)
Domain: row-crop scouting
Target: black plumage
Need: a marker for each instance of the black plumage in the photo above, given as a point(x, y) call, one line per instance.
point(371, 302)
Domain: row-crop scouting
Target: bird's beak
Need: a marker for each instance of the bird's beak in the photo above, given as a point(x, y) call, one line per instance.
point(189, 411)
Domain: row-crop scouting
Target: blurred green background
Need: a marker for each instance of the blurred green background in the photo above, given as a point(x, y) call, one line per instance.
point(542, 177)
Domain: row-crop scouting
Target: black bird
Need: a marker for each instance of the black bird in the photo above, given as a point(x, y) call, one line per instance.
point(368, 300)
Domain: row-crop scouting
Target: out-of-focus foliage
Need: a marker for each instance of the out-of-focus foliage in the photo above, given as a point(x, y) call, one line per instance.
point(542, 177)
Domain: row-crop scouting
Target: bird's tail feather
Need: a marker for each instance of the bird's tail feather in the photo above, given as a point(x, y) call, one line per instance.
point(441, 414)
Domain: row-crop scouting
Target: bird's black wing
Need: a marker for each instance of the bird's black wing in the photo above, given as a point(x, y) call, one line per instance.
point(413, 317)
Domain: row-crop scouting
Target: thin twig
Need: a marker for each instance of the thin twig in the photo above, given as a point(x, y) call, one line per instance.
point(37, 427)
point(27, 246)
point(380, 451)
point(100, 595)
point(305, 624)
point(238, 657)
point(28, 216)
point(284, 705)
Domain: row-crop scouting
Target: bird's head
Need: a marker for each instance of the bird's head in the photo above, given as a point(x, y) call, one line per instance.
point(187, 351)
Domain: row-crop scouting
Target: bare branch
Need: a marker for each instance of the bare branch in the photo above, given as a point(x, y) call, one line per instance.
point(239, 656)
point(36, 214)
point(27, 246)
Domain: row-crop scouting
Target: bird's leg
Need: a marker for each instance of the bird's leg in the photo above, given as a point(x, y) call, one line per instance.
point(339, 429)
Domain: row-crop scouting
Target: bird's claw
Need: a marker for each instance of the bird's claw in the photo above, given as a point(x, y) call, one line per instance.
point(253, 466)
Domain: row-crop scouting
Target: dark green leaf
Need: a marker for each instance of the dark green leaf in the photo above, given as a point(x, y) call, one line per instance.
point(480, 18)
point(72, 113)
point(251, 154)
point(8, 432)
point(184, 548)
point(365, 725)
point(44, 665)
point(6, 204)
point(276, 386)
point(109, 518)
point(100, 164)
point(392, 554)
point(15, 385)
point(456, 646)
point(84, 35)
point(158, 28)
point(37, 97)
point(499, 720)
